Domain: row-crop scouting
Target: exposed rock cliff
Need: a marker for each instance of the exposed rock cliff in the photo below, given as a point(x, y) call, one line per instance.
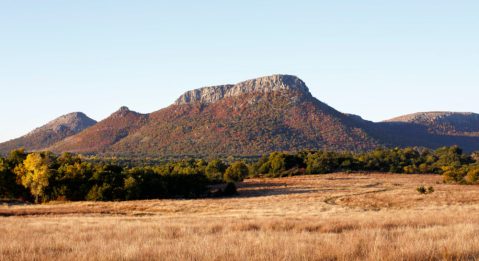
point(260, 85)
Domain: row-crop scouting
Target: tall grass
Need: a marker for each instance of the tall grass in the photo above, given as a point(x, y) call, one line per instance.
point(331, 217)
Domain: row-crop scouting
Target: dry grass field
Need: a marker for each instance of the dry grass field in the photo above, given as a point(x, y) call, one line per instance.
point(325, 217)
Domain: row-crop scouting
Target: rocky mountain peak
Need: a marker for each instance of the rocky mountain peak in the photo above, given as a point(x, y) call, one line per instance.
point(122, 112)
point(259, 85)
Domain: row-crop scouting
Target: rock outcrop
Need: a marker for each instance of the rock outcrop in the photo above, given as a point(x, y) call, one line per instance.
point(260, 86)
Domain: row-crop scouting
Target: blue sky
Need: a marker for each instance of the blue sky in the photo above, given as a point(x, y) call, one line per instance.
point(378, 59)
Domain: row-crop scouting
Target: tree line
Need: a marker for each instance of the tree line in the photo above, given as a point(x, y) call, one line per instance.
point(451, 162)
point(44, 176)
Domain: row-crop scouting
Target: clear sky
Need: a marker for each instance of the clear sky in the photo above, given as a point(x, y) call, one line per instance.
point(378, 59)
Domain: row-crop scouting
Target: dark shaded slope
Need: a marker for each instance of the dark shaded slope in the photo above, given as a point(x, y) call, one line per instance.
point(405, 132)
point(445, 123)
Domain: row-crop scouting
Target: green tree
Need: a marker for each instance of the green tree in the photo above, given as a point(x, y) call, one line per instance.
point(7, 180)
point(278, 162)
point(450, 157)
point(132, 190)
point(16, 157)
point(322, 162)
point(68, 158)
point(72, 180)
point(108, 183)
point(215, 170)
point(9, 188)
point(238, 171)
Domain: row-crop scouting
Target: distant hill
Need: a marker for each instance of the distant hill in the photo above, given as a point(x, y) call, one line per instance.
point(99, 137)
point(428, 129)
point(258, 116)
point(52, 132)
point(445, 123)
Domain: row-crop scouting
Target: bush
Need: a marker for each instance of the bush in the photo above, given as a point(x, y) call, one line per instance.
point(421, 190)
point(472, 176)
point(454, 174)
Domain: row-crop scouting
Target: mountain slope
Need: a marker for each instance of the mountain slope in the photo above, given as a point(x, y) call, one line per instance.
point(98, 138)
point(250, 118)
point(54, 131)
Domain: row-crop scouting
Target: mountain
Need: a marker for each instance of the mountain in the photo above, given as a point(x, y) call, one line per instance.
point(258, 116)
point(52, 132)
point(275, 113)
point(99, 137)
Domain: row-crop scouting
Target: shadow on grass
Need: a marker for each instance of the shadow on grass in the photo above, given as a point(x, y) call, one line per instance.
point(268, 189)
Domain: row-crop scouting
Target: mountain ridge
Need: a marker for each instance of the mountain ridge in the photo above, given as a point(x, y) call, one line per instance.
point(258, 116)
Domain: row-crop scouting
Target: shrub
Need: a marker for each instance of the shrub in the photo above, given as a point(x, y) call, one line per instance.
point(472, 176)
point(421, 190)
point(454, 174)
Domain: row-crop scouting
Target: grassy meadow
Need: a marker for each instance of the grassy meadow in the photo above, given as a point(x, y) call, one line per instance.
point(319, 217)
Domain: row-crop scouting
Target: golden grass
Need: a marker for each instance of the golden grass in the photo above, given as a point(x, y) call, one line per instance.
point(326, 217)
